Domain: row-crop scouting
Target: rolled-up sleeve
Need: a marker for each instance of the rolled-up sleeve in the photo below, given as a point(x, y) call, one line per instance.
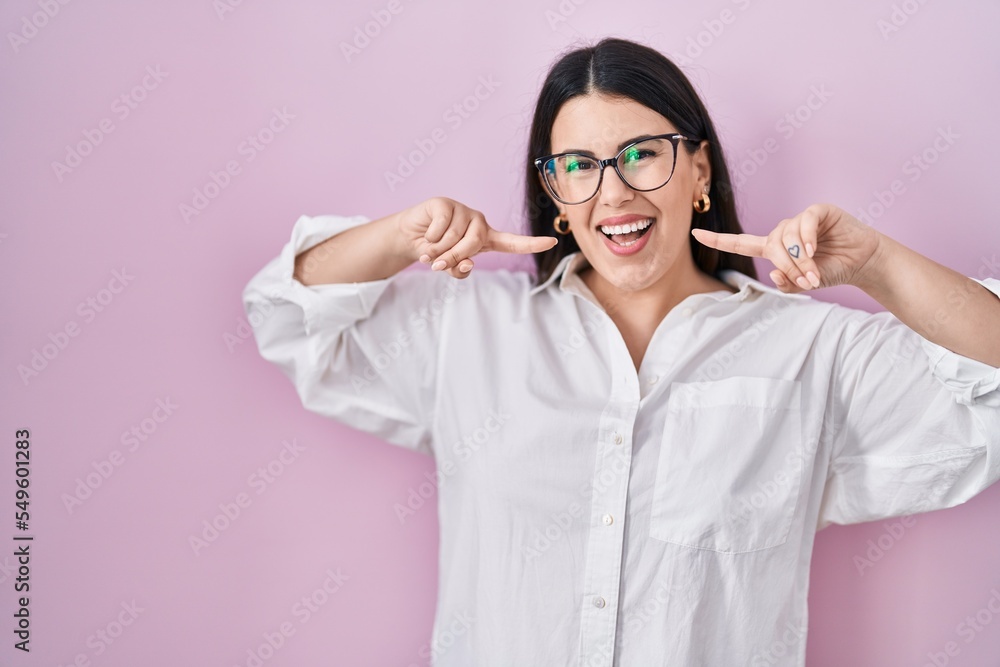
point(912, 426)
point(361, 353)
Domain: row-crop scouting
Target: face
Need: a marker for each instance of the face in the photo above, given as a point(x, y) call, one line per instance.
point(599, 124)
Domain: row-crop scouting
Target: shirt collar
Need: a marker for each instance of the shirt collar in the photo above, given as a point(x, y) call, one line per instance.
point(568, 268)
point(560, 272)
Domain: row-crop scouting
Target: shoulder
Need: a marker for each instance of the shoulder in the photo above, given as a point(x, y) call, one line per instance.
point(838, 331)
point(797, 321)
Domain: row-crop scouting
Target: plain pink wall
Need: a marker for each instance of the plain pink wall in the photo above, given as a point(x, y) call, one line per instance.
point(163, 335)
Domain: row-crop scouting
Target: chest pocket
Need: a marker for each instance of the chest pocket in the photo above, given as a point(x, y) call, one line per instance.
point(730, 464)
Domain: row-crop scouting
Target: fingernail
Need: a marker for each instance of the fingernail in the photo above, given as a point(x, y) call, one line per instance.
point(425, 258)
point(813, 278)
point(465, 268)
point(809, 249)
point(438, 265)
point(802, 282)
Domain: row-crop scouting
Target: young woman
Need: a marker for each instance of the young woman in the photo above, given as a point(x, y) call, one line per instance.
point(635, 448)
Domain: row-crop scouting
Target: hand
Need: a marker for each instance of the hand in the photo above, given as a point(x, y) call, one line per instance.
point(832, 248)
point(449, 234)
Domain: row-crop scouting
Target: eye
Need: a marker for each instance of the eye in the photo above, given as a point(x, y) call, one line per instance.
point(635, 154)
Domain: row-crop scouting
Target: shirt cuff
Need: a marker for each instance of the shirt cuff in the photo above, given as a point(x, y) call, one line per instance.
point(334, 305)
point(972, 382)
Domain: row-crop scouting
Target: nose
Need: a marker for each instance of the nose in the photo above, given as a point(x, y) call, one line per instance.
point(613, 191)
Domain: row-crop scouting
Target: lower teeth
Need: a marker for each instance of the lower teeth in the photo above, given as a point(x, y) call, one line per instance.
point(628, 244)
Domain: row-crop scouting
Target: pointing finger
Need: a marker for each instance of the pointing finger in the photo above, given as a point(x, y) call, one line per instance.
point(518, 243)
point(741, 244)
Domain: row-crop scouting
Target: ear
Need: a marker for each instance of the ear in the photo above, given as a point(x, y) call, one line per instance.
point(701, 167)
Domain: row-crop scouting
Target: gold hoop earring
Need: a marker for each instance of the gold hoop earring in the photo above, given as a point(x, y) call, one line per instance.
point(702, 205)
point(555, 223)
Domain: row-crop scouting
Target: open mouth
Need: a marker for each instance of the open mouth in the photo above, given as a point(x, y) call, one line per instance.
point(627, 235)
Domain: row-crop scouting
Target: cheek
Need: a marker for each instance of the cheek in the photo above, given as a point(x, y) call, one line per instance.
point(676, 211)
point(581, 226)
point(678, 203)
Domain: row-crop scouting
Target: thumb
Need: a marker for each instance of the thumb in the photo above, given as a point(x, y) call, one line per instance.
point(518, 243)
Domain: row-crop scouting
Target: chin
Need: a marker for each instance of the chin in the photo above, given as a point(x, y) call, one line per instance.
point(632, 277)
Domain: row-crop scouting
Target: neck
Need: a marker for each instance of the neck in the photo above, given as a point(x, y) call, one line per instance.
point(654, 302)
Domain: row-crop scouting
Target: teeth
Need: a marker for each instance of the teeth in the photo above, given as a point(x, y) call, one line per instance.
point(624, 229)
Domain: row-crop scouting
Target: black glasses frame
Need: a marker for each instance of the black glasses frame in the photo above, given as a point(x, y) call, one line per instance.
point(674, 139)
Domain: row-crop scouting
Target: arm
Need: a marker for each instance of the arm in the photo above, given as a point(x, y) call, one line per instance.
point(367, 252)
point(363, 353)
point(824, 246)
point(359, 337)
point(906, 431)
point(942, 305)
point(443, 232)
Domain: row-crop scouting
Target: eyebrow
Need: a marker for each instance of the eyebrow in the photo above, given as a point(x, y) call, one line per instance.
point(620, 146)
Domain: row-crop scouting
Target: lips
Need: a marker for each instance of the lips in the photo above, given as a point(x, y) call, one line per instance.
point(633, 242)
point(624, 234)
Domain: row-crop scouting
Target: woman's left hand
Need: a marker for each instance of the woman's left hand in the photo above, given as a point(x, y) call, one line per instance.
point(822, 246)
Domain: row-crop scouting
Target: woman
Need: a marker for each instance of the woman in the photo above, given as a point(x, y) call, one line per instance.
point(634, 452)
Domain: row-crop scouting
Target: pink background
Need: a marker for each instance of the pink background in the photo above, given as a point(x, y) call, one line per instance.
point(164, 336)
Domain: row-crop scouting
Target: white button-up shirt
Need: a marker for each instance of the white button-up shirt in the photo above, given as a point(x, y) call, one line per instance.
point(594, 516)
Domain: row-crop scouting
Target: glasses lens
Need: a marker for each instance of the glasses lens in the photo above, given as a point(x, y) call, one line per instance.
point(572, 178)
point(648, 164)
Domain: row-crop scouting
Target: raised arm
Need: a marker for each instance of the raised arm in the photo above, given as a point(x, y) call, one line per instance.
point(439, 230)
point(942, 305)
point(824, 246)
point(358, 337)
point(371, 251)
point(908, 432)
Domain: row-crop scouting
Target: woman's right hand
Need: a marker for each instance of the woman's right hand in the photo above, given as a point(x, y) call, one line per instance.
point(447, 234)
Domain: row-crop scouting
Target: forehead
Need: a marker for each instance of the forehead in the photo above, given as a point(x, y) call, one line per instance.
point(599, 123)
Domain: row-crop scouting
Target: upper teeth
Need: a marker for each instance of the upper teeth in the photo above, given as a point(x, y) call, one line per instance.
point(625, 229)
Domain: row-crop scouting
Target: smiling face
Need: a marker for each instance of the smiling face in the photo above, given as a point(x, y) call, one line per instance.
point(600, 125)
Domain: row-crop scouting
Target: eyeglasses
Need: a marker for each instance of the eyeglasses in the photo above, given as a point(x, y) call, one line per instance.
point(644, 165)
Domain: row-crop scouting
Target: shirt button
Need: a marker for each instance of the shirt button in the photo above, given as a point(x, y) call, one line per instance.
point(599, 602)
point(653, 379)
point(618, 438)
point(608, 519)
point(687, 312)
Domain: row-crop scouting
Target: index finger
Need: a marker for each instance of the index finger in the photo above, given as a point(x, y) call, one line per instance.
point(518, 243)
point(741, 244)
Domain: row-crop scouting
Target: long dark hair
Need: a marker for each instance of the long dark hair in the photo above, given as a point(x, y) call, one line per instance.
point(621, 68)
